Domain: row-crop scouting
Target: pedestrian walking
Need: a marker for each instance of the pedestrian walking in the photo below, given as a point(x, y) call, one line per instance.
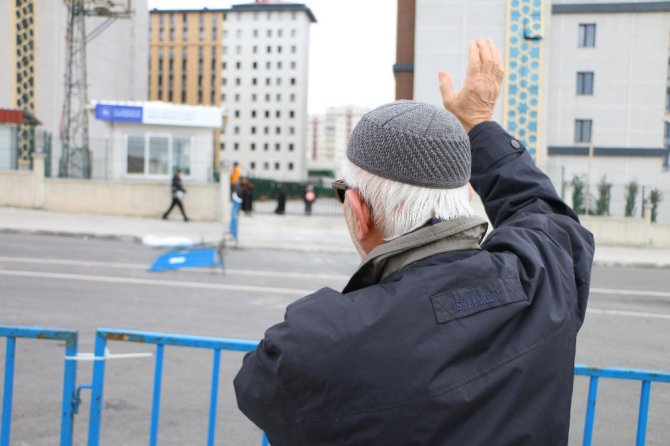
point(178, 192)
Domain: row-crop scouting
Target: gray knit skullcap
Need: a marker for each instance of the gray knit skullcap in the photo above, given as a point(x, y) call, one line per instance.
point(414, 143)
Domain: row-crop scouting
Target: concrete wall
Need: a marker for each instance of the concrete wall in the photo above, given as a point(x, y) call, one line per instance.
point(138, 198)
point(634, 232)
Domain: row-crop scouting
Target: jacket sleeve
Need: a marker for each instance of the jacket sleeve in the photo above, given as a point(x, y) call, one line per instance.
point(261, 395)
point(523, 206)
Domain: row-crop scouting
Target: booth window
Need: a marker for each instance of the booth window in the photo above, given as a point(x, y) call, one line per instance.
point(158, 155)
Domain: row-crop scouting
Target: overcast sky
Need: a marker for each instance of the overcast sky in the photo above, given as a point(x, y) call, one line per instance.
point(352, 49)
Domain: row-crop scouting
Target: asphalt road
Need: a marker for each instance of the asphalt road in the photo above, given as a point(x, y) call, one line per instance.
point(86, 284)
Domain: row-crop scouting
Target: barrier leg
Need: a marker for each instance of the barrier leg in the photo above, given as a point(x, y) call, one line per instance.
point(95, 419)
point(590, 410)
point(69, 384)
point(214, 397)
point(8, 391)
point(156, 404)
point(642, 416)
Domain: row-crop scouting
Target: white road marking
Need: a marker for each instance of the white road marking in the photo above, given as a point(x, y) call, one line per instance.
point(171, 283)
point(239, 272)
point(606, 312)
point(631, 292)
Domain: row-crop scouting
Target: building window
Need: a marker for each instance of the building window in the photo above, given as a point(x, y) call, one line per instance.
point(267, 113)
point(254, 49)
point(267, 97)
point(236, 130)
point(279, 65)
point(238, 65)
point(278, 97)
point(267, 81)
point(278, 130)
point(279, 48)
point(253, 165)
point(238, 33)
point(293, 80)
point(290, 166)
point(293, 49)
point(276, 166)
point(269, 49)
point(253, 97)
point(222, 146)
point(266, 165)
point(253, 113)
point(238, 49)
point(587, 35)
point(254, 65)
point(237, 97)
point(269, 33)
point(253, 146)
point(583, 130)
point(292, 65)
point(157, 155)
point(291, 130)
point(254, 81)
point(279, 33)
point(293, 32)
point(266, 147)
point(291, 114)
point(237, 113)
point(236, 146)
point(278, 113)
point(277, 147)
point(585, 83)
point(266, 130)
point(290, 147)
point(253, 130)
point(255, 33)
point(279, 81)
point(238, 81)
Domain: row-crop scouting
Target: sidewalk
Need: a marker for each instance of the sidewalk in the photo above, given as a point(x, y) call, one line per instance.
point(260, 231)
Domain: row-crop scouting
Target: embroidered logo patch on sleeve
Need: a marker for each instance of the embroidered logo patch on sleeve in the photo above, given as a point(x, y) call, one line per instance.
point(467, 301)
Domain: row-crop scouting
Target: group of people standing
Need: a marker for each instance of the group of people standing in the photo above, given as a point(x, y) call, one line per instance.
point(243, 190)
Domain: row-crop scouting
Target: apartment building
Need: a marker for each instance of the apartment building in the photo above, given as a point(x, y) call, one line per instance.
point(328, 137)
point(265, 75)
point(579, 73)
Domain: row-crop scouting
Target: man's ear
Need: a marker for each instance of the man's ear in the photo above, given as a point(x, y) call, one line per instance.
point(361, 211)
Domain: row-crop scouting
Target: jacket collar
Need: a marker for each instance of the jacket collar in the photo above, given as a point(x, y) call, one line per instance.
point(451, 235)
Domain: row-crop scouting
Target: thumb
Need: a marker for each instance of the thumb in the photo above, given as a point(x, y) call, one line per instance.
point(446, 87)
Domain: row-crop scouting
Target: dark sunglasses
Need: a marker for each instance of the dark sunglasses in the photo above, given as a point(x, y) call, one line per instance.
point(340, 188)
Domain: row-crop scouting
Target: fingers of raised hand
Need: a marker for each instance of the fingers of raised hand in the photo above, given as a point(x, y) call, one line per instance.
point(474, 61)
point(446, 87)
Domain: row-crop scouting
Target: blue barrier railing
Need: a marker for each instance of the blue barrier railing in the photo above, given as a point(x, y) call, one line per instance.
point(71, 392)
point(69, 379)
point(645, 376)
point(103, 335)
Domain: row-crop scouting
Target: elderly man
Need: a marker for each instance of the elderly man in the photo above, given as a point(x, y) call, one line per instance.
point(438, 338)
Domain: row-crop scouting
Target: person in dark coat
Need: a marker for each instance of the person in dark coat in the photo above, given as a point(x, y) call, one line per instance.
point(443, 336)
point(178, 192)
point(247, 196)
point(281, 200)
point(309, 198)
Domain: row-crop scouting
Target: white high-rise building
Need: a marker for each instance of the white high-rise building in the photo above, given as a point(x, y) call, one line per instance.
point(265, 70)
point(578, 72)
point(328, 136)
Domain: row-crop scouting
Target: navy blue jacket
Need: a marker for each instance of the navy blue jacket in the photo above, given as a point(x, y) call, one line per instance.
point(466, 347)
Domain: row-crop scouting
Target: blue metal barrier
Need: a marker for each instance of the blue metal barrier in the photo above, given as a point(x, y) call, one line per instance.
point(160, 340)
point(69, 379)
point(194, 257)
point(645, 376)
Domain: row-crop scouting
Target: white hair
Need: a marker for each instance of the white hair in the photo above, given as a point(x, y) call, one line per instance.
point(399, 208)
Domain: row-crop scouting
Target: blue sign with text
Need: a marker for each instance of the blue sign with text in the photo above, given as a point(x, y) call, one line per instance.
point(118, 113)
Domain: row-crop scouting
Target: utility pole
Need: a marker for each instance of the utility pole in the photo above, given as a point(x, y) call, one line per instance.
point(588, 173)
point(75, 159)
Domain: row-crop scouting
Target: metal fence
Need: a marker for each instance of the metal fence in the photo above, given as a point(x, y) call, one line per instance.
point(71, 391)
point(11, 333)
point(103, 335)
point(646, 377)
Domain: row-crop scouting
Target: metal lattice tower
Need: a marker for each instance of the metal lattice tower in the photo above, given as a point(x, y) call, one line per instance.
point(75, 160)
point(76, 157)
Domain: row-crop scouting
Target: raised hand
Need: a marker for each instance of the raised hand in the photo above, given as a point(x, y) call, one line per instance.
point(475, 101)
